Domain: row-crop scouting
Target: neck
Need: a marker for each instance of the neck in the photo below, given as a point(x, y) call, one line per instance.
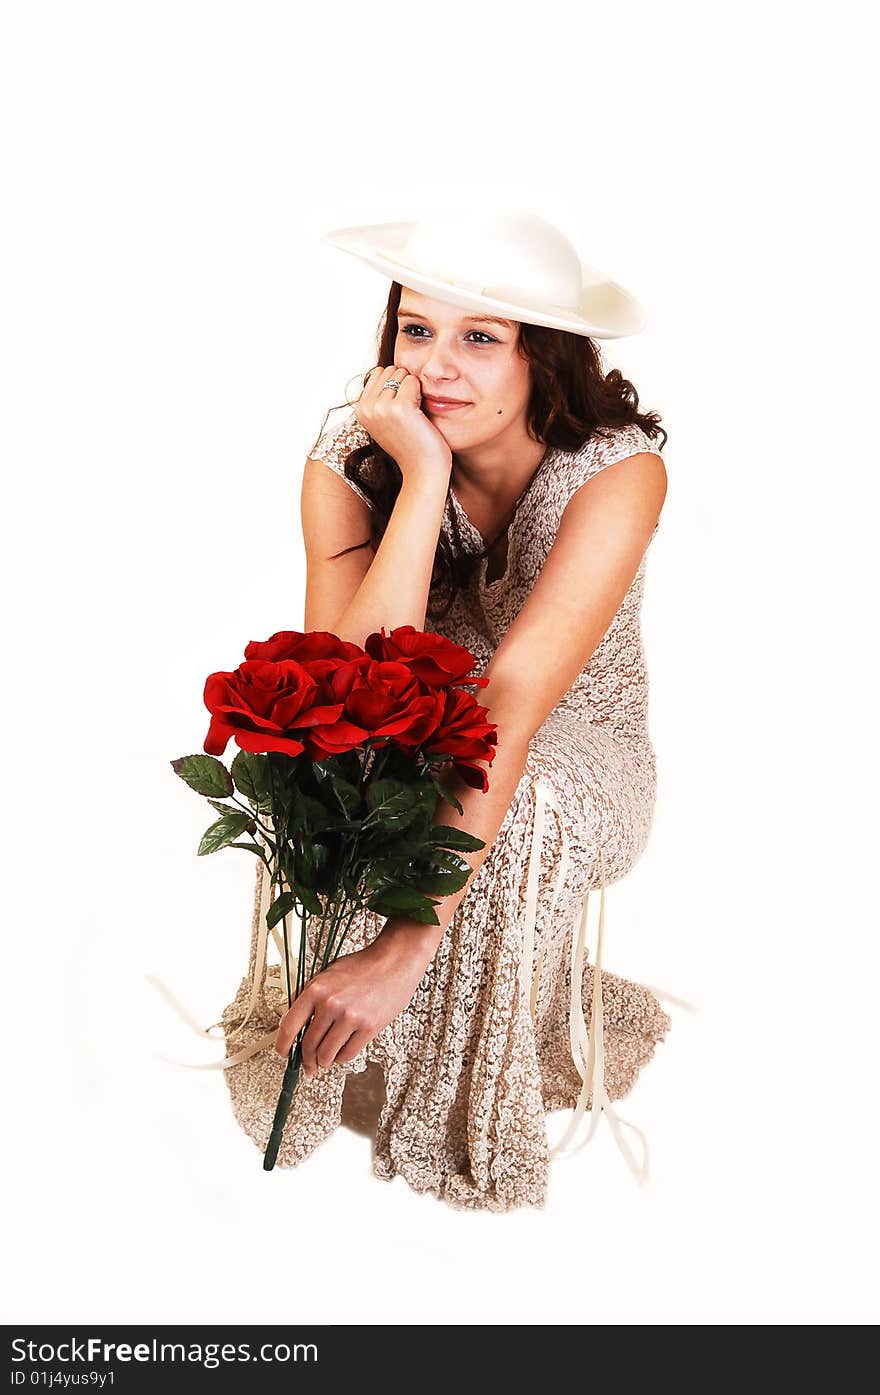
point(499, 472)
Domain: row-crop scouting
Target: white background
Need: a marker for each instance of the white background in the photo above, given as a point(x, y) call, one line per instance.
point(172, 335)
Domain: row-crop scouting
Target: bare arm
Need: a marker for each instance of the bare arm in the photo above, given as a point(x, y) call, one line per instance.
point(394, 589)
point(354, 594)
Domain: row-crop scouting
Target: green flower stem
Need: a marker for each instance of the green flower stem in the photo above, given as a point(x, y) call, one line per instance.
point(301, 958)
point(337, 907)
point(319, 936)
point(294, 1055)
point(350, 862)
point(294, 1058)
point(355, 906)
point(285, 1100)
point(286, 958)
point(248, 808)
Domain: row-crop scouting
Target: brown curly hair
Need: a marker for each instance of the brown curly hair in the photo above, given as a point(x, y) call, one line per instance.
point(572, 399)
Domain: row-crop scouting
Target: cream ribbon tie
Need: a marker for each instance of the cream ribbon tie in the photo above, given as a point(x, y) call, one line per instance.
point(587, 1047)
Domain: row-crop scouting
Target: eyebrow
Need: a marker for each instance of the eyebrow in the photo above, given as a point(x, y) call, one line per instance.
point(465, 319)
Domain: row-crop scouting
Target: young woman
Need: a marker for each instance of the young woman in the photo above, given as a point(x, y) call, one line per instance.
point(494, 484)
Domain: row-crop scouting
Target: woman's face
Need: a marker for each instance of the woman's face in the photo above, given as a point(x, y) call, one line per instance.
point(467, 356)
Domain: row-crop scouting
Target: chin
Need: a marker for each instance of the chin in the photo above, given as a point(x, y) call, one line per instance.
point(451, 419)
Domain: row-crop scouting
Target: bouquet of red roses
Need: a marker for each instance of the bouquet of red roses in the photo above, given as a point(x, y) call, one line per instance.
point(336, 782)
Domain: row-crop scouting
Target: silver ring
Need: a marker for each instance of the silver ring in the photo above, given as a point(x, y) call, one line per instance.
point(391, 383)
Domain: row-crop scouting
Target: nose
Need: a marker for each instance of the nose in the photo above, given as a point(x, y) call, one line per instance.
point(438, 366)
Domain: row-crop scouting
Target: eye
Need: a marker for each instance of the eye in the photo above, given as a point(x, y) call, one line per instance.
point(405, 330)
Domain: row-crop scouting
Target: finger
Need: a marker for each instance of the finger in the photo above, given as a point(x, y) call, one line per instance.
point(295, 1017)
point(410, 386)
point(336, 1039)
point(320, 1025)
point(356, 1042)
point(394, 372)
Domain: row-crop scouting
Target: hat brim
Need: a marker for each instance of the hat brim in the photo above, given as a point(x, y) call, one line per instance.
point(607, 309)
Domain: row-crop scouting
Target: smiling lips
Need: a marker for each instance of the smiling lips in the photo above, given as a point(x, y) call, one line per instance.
point(444, 404)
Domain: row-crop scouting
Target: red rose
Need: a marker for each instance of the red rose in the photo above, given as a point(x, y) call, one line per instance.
point(464, 734)
point(327, 659)
point(305, 646)
point(381, 700)
point(312, 691)
point(260, 703)
point(434, 659)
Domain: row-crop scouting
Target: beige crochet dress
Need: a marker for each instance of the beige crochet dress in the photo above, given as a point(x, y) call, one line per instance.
point(494, 1038)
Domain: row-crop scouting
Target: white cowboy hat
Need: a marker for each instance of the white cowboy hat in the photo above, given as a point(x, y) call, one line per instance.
point(511, 264)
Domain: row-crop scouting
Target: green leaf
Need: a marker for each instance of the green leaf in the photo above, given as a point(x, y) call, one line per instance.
point(450, 798)
point(343, 826)
point(348, 796)
point(284, 904)
point(227, 809)
point(398, 843)
point(204, 774)
point(440, 875)
point(251, 775)
point(394, 807)
point(441, 882)
point(390, 796)
point(398, 900)
point(318, 818)
point(388, 869)
point(416, 908)
point(337, 793)
point(428, 916)
point(445, 836)
point(291, 812)
point(222, 833)
point(309, 898)
point(439, 858)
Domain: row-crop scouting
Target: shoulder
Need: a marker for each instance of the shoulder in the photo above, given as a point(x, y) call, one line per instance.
point(640, 489)
point(336, 441)
point(334, 445)
point(618, 442)
point(608, 444)
point(605, 447)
